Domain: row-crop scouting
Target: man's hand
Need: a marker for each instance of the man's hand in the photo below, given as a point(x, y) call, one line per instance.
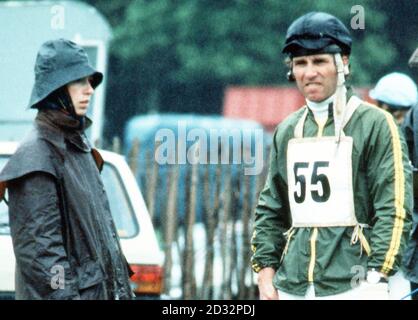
point(265, 284)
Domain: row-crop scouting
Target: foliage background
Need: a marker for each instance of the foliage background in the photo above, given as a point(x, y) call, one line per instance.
point(179, 55)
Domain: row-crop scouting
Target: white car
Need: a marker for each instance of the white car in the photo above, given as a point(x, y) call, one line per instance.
point(135, 229)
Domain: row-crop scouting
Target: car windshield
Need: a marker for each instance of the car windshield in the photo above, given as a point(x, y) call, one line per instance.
point(120, 206)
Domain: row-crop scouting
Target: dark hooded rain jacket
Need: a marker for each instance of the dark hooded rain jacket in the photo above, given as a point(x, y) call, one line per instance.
point(64, 238)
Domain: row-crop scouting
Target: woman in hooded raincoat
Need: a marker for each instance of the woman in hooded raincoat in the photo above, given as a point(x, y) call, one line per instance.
point(64, 237)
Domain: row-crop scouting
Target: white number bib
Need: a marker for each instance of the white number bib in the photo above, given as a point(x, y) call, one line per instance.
point(320, 184)
point(319, 175)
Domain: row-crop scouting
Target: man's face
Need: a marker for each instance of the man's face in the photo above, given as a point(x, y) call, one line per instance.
point(316, 75)
point(80, 92)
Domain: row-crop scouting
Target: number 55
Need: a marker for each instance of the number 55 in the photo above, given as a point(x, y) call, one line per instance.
point(315, 179)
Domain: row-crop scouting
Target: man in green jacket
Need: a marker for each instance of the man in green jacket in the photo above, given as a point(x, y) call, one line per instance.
point(334, 215)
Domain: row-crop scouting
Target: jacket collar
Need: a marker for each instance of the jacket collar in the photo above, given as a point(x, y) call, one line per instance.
point(350, 93)
point(55, 127)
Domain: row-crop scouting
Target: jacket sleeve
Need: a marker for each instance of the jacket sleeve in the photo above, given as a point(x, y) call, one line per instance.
point(36, 228)
point(390, 188)
point(271, 217)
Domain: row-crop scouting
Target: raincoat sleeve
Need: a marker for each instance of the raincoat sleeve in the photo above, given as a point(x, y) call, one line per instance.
point(36, 228)
point(271, 217)
point(389, 175)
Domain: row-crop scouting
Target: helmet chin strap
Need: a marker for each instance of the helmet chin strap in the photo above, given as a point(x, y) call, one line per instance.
point(340, 98)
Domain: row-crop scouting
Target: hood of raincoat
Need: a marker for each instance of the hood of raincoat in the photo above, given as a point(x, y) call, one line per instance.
point(58, 63)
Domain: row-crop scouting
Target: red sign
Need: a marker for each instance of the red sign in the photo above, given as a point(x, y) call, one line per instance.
point(266, 105)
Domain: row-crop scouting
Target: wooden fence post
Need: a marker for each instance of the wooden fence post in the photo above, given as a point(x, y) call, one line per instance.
point(152, 182)
point(245, 239)
point(189, 287)
point(116, 145)
point(170, 226)
point(133, 156)
point(211, 223)
point(224, 231)
point(233, 261)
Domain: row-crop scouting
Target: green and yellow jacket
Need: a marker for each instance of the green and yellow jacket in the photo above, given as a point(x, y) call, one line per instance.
point(331, 258)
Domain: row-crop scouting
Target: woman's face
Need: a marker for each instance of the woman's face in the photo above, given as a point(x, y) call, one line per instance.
point(80, 92)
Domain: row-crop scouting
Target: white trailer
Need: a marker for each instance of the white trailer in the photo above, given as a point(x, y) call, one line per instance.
point(24, 26)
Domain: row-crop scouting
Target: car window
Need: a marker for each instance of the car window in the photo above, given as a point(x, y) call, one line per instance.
point(120, 206)
point(4, 217)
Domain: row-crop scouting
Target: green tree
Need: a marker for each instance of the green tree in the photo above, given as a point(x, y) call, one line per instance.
point(401, 30)
point(179, 55)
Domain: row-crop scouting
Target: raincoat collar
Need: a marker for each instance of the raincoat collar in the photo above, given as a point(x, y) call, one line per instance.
point(58, 128)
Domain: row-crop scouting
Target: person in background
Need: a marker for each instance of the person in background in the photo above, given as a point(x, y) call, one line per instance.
point(396, 93)
point(410, 129)
point(64, 238)
point(335, 213)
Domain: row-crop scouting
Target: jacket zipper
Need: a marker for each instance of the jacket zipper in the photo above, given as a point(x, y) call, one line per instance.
point(321, 126)
point(313, 255)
